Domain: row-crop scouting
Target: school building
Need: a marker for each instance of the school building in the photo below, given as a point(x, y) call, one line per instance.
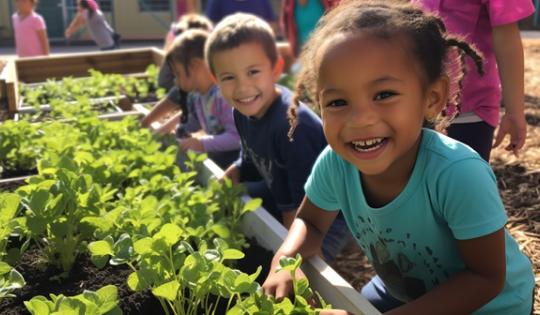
point(133, 19)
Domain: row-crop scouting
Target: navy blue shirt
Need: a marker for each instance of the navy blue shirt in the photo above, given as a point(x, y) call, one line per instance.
point(218, 9)
point(284, 165)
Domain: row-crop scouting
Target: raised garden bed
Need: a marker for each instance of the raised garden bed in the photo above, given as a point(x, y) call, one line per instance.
point(265, 234)
point(117, 200)
point(20, 77)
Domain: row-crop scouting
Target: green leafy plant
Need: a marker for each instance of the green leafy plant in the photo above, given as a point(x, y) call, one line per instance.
point(97, 85)
point(9, 205)
point(261, 304)
point(184, 280)
point(55, 207)
point(10, 280)
point(101, 302)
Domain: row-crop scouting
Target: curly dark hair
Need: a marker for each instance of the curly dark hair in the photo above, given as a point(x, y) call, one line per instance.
point(427, 38)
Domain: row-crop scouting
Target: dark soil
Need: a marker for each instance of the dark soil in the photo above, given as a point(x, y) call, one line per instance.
point(85, 276)
point(256, 256)
point(7, 174)
point(10, 186)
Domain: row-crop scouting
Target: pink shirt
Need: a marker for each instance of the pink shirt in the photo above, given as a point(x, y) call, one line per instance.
point(26, 37)
point(475, 19)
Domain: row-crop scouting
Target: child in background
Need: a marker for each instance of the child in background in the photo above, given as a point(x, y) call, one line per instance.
point(300, 18)
point(186, 22)
point(216, 10)
point(492, 26)
point(205, 106)
point(186, 7)
point(376, 70)
point(89, 14)
point(31, 38)
point(242, 55)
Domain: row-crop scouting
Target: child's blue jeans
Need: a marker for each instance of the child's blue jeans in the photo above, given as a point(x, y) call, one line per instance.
point(375, 292)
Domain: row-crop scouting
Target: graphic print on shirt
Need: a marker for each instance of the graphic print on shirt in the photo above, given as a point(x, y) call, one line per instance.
point(388, 254)
point(264, 166)
point(211, 112)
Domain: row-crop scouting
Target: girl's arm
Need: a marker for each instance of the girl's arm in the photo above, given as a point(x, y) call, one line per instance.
point(509, 54)
point(162, 108)
point(44, 40)
point(305, 237)
point(77, 22)
point(229, 139)
point(481, 280)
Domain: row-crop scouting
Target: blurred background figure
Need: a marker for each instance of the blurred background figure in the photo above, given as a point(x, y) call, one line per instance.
point(89, 14)
point(30, 31)
point(185, 22)
point(299, 18)
point(216, 10)
point(186, 6)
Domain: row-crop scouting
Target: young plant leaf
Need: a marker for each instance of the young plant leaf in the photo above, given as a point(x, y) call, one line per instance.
point(167, 291)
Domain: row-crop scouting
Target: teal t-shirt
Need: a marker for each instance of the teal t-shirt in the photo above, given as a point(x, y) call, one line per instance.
point(306, 17)
point(451, 194)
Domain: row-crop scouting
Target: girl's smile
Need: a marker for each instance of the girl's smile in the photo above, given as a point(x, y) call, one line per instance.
point(369, 148)
point(373, 102)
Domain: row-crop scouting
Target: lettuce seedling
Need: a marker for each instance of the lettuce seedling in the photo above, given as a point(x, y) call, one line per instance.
point(9, 205)
point(56, 206)
point(10, 280)
point(260, 303)
point(101, 302)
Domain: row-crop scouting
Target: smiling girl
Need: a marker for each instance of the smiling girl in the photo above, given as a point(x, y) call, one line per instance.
point(424, 208)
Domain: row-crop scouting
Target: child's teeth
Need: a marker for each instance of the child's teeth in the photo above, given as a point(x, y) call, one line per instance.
point(245, 100)
point(367, 145)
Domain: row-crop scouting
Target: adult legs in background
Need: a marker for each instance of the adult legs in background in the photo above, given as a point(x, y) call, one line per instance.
point(478, 135)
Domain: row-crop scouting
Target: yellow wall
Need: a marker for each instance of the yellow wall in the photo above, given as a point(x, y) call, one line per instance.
point(132, 24)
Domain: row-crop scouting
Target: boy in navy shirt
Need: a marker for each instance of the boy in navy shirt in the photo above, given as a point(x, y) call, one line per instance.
point(242, 55)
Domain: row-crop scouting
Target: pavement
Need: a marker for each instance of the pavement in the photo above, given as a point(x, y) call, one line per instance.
point(61, 49)
point(56, 49)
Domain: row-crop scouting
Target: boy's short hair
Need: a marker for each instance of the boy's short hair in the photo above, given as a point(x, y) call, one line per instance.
point(186, 47)
point(238, 29)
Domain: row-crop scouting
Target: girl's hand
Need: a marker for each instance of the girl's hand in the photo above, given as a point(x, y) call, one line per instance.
point(516, 127)
point(280, 284)
point(68, 33)
point(193, 144)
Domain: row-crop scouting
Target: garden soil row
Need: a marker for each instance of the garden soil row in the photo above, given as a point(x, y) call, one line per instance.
point(85, 276)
